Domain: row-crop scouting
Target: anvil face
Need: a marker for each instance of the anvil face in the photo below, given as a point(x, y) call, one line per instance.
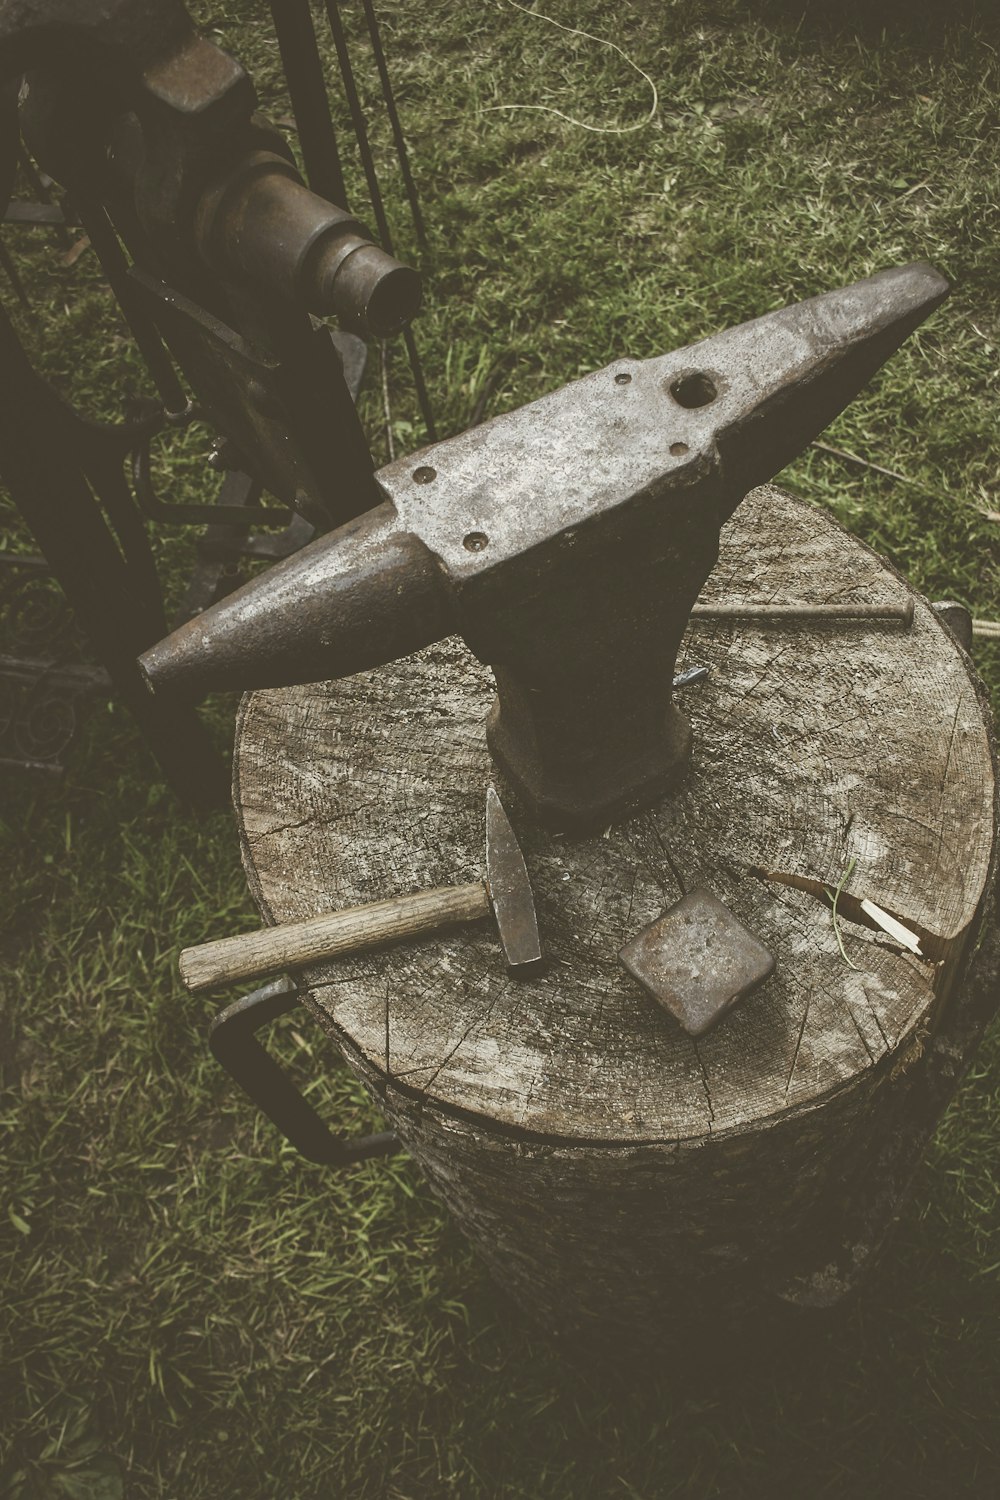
point(554, 471)
point(641, 434)
point(567, 543)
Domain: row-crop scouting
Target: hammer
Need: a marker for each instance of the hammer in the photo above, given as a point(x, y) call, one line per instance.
point(567, 542)
point(506, 892)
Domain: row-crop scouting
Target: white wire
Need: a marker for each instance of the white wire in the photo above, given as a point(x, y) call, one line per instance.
point(547, 109)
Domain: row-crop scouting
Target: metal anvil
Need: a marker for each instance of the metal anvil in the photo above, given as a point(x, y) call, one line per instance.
point(566, 542)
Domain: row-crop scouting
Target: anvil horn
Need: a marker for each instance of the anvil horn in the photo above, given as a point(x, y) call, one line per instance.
point(354, 598)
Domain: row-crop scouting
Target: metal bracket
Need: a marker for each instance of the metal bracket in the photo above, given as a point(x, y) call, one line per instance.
point(234, 1045)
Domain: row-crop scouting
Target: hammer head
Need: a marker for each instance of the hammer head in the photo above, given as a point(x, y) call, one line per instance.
point(509, 890)
point(567, 542)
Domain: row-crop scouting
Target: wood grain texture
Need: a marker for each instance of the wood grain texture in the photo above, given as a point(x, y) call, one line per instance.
point(251, 955)
point(528, 1101)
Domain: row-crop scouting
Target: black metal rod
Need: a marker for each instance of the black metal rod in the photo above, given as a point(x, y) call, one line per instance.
point(109, 252)
point(359, 122)
point(375, 38)
point(106, 477)
point(234, 1045)
point(293, 26)
point(418, 380)
point(375, 193)
point(40, 185)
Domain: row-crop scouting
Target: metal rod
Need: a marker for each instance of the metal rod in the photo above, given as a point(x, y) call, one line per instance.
point(378, 207)
point(418, 380)
point(234, 1045)
point(40, 185)
point(375, 37)
point(293, 26)
point(109, 252)
point(792, 614)
point(359, 122)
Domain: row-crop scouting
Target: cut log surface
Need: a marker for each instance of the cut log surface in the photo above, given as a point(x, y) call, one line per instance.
point(815, 748)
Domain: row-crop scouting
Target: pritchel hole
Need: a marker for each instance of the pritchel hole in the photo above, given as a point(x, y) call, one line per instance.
point(623, 378)
point(424, 474)
point(475, 541)
point(678, 449)
point(696, 389)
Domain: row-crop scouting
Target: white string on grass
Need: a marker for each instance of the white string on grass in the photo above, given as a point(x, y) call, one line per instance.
point(547, 109)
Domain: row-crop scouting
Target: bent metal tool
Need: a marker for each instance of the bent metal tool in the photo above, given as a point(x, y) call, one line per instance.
point(506, 892)
point(567, 542)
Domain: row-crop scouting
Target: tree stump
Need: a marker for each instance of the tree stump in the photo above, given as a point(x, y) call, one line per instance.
point(614, 1172)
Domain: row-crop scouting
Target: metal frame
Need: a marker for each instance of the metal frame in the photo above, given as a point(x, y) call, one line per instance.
point(176, 114)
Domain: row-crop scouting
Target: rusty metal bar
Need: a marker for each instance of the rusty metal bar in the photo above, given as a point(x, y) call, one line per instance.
point(809, 614)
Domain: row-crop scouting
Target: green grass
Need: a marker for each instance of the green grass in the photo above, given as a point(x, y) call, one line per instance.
point(189, 1309)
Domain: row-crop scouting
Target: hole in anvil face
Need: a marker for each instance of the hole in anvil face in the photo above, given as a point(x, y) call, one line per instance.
point(694, 390)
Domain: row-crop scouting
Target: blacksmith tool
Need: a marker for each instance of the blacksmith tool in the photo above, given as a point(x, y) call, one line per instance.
point(697, 960)
point(506, 892)
point(808, 614)
point(567, 542)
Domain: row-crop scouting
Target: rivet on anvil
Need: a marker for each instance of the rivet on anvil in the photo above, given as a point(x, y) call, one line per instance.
point(697, 960)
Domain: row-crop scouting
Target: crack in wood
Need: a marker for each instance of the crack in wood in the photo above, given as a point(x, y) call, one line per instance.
point(857, 1026)
point(665, 850)
point(877, 1019)
point(798, 1046)
point(479, 1020)
point(705, 1086)
point(771, 663)
point(849, 909)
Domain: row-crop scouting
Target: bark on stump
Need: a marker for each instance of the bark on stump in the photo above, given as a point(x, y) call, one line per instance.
point(615, 1174)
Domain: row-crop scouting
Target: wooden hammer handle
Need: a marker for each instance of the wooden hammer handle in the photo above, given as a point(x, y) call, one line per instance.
point(251, 955)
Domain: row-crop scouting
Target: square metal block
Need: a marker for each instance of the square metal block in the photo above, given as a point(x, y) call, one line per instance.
point(697, 960)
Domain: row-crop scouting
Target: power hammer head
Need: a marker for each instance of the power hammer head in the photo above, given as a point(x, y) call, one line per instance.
point(567, 542)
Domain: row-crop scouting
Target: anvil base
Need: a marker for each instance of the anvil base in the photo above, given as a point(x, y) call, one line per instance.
point(564, 804)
